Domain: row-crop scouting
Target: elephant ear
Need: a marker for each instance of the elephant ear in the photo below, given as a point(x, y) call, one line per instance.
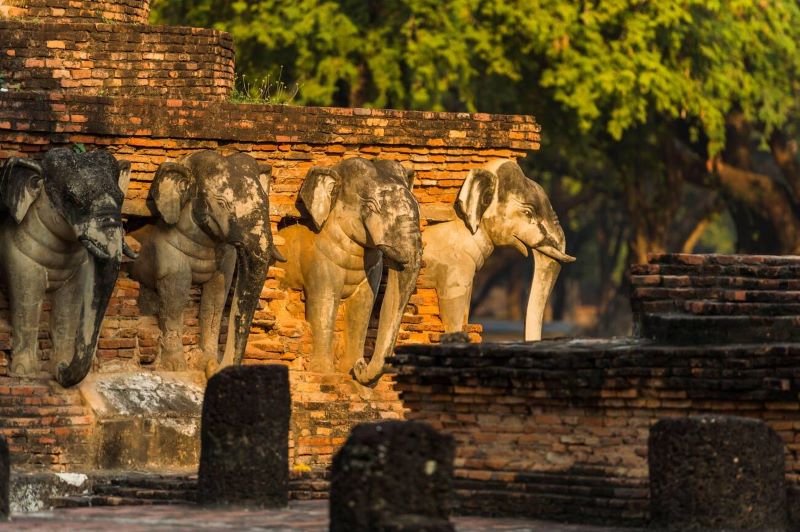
point(170, 190)
point(475, 196)
point(264, 177)
point(124, 179)
point(409, 171)
point(319, 192)
point(21, 182)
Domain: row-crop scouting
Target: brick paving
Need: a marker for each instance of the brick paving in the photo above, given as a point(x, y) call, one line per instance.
point(311, 516)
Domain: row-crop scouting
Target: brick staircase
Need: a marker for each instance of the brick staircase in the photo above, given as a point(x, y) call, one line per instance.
point(132, 488)
point(124, 488)
point(698, 299)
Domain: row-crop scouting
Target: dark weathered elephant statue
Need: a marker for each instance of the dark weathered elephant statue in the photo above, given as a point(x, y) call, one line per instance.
point(213, 219)
point(362, 213)
point(61, 233)
point(498, 206)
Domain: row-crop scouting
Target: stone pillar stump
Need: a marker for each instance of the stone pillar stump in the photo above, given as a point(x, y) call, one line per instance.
point(393, 476)
point(244, 446)
point(716, 472)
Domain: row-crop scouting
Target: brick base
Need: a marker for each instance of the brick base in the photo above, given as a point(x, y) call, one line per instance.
point(559, 429)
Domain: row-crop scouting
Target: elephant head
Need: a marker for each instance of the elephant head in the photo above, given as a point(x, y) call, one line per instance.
point(228, 198)
point(371, 203)
point(86, 192)
point(514, 211)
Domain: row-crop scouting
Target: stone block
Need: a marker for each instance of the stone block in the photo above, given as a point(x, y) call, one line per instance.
point(244, 455)
point(145, 420)
point(716, 473)
point(394, 475)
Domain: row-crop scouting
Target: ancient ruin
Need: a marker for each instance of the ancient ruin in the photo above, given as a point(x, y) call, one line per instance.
point(92, 76)
point(351, 238)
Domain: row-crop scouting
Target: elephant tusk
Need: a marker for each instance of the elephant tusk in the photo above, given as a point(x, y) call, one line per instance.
point(94, 248)
point(555, 254)
point(276, 255)
point(128, 251)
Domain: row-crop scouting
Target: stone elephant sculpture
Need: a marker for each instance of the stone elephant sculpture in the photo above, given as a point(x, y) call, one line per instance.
point(213, 218)
point(498, 206)
point(61, 234)
point(363, 212)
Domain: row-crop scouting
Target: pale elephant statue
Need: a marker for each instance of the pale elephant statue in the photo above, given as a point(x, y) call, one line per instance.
point(498, 206)
point(213, 218)
point(61, 234)
point(362, 212)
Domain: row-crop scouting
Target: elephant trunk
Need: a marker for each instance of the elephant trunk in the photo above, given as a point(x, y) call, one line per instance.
point(545, 273)
point(547, 259)
point(251, 272)
point(401, 282)
point(102, 276)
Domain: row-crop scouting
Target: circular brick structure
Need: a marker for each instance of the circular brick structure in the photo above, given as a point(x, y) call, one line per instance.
point(117, 60)
point(109, 11)
point(716, 473)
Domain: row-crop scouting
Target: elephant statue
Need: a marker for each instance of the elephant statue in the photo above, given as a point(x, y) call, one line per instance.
point(61, 234)
point(498, 206)
point(213, 219)
point(362, 212)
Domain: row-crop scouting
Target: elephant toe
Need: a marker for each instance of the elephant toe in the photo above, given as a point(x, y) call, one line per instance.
point(321, 366)
point(24, 366)
point(362, 374)
point(174, 364)
point(211, 368)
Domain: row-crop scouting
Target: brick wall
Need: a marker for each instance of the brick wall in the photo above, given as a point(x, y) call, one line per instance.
point(124, 11)
point(559, 429)
point(117, 59)
point(442, 147)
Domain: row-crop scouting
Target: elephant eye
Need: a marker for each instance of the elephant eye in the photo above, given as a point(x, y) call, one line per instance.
point(223, 201)
point(529, 212)
point(372, 205)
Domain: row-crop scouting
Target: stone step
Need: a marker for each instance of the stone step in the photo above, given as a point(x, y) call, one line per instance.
point(564, 487)
point(151, 488)
point(714, 281)
point(42, 411)
point(155, 481)
point(83, 501)
point(714, 308)
point(147, 494)
point(573, 508)
point(683, 329)
point(44, 421)
point(716, 294)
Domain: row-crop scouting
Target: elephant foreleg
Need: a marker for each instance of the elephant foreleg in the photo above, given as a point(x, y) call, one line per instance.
point(454, 312)
point(357, 312)
point(64, 320)
point(25, 298)
point(321, 315)
point(173, 290)
point(212, 305)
